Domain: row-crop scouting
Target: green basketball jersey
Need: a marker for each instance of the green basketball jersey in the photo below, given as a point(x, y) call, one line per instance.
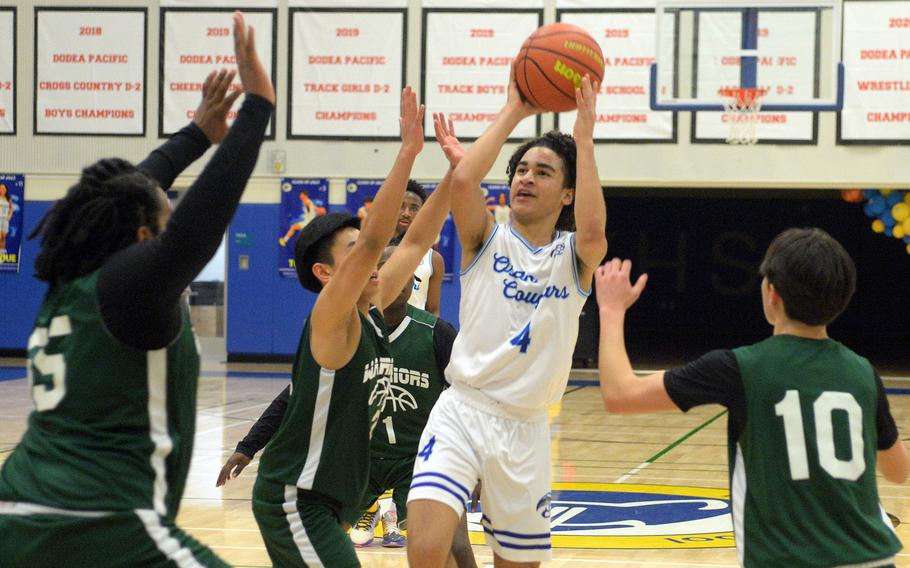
point(113, 426)
point(803, 471)
point(323, 443)
point(413, 390)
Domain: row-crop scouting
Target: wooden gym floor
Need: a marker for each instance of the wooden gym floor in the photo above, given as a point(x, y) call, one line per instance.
point(589, 447)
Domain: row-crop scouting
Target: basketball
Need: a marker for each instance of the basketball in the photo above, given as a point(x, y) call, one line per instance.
point(551, 63)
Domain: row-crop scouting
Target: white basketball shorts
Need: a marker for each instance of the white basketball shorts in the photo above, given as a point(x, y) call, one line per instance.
point(470, 437)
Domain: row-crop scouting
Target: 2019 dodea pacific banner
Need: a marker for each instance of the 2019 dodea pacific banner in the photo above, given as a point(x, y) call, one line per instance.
point(12, 198)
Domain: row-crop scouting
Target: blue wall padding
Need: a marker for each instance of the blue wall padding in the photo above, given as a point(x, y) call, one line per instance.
point(20, 292)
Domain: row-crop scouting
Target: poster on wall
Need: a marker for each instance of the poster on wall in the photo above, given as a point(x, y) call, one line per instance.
point(788, 65)
point(302, 200)
point(497, 197)
point(876, 74)
point(626, 37)
point(347, 69)
point(90, 71)
point(360, 194)
point(196, 41)
point(12, 199)
point(7, 70)
point(467, 55)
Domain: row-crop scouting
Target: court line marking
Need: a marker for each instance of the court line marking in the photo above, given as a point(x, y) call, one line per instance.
point(664, 451)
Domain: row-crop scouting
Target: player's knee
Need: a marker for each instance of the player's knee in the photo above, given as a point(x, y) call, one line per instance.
point(425, 553)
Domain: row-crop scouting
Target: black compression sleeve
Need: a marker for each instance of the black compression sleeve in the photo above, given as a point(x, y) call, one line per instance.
point(443, 338)
point(712, 378)
point(167, 161)
point(884, 422)
point(264, 428)
point(139, 287)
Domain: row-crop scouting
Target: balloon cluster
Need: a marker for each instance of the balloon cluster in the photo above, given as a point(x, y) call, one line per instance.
point(889, 210)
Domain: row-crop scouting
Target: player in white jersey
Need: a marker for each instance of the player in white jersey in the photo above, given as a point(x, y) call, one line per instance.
point(523, 288)
point(429, 274)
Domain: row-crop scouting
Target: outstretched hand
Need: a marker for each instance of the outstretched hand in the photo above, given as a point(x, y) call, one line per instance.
point(445, 136)
point(253, 75)
point(615, 291)
point(232, 468)
point(211, 114)
point(411, 122)
point(586, 100)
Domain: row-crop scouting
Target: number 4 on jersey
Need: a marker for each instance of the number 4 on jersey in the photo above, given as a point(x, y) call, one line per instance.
point(427, 449)
point(523, 339)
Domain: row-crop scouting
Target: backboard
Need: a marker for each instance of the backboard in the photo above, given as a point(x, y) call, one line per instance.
point(790, 49)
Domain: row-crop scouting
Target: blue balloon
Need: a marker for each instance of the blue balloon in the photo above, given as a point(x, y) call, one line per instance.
point(889, 230)
point(876, 206)
point(870, 193)
point(907, 239)
point(894, 197)
point(887, 218)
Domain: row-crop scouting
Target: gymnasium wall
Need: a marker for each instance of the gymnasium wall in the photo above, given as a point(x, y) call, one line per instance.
point(265, 312)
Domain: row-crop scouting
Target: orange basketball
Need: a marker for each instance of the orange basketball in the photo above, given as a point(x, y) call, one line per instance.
point(552, 62)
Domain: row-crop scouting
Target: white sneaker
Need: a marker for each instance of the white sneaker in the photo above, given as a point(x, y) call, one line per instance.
point(362, 533)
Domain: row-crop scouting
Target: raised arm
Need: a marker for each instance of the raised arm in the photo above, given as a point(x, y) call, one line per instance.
point(209, 126)
point(139, 287)
point(469, 208)
point(622, 391)
point(423, 231)
point(336, 325)
point(590, 207)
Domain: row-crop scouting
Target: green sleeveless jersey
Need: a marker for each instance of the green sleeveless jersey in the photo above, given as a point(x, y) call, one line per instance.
point(323, 442)
point(113, 426)
point(803, 471)
point(413, 390)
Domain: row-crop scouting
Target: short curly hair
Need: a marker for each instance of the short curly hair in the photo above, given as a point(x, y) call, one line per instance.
point(564, 147)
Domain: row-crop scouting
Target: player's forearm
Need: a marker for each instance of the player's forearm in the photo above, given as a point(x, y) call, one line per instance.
point(481, 156)
point(616, 373)
point(590, 207)
point(894, 463)
point(379, 226)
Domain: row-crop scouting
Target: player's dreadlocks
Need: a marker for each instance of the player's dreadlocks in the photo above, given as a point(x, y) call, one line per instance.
point(564, 147)
point(98, 217)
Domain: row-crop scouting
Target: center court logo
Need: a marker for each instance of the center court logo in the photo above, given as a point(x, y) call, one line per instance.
point(606, 515)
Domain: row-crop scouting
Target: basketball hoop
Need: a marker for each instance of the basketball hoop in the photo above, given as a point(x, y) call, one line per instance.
point(741, 111)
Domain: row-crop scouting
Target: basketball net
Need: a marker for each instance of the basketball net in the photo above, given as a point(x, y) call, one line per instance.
point(741, 110)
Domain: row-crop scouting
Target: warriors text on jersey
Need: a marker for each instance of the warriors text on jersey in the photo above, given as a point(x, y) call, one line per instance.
point(413, 389)
point(113, 426)
point(519, 326)
point(323, 443)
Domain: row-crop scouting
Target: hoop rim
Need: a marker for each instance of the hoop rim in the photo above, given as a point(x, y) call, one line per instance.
point(743, 95)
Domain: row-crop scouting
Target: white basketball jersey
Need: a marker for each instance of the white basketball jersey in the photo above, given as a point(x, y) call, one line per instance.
point(422, 281)
point(519, 319)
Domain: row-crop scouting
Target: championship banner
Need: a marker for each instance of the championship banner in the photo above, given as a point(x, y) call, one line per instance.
point(466, 61)
point(788, 68)
point(626, 37)
point(876, 73)
point(197, 41)
point(7, 70)
point(12, 198)
point(302, 200)
point(347, 70)
point(90, 71)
